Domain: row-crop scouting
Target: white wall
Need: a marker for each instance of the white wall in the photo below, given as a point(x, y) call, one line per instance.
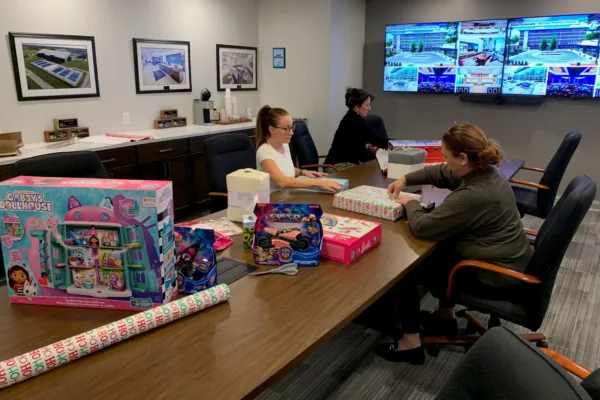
point(302, 88)
point(114, 23)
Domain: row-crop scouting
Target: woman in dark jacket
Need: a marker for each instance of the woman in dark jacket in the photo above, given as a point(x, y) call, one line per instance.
point(353, 134)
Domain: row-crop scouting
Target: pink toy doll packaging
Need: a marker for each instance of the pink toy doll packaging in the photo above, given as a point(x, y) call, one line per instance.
point(346, 239)
point(94, 243)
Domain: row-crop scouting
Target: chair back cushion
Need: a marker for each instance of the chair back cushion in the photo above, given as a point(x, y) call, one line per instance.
point(303, 144)
point(501, 366)
point(375, 123)
point(226, 153)
point(72, 164)
point(555, 170)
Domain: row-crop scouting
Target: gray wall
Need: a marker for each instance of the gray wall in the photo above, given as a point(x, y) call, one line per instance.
point(529, 133)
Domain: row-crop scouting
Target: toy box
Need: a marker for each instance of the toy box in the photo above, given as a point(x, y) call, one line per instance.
point(371, 201)
point(432, 147)
point(345, 183)
point(248, 222)
point(95, 243)
point(346, 239)
point(195, 259)
point(286, 233)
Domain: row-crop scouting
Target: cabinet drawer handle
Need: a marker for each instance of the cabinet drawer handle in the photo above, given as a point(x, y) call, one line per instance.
point(165, 150)
point(109, 160)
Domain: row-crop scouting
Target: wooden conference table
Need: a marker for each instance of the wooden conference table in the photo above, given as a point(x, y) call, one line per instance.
point(230, 351)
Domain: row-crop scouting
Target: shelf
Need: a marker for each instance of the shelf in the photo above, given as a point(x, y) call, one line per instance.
point(134, 245)
point(135, 266)
point(117, 268)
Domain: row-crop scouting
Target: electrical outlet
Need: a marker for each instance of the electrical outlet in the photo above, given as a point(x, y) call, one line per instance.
point(126, 119)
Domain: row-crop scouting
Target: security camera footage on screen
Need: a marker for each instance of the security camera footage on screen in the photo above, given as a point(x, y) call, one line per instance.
point(554, 56)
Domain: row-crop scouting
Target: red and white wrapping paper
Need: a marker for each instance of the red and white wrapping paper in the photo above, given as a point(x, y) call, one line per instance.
point(38, 361)
point(371, 201)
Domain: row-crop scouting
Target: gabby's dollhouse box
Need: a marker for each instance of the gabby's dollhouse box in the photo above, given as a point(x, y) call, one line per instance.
point(95, 243)
point(347, 239)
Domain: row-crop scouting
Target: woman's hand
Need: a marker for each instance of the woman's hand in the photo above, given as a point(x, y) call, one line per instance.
point(396, 187)
point(313, 174)
point(330, 186)
point(404, 199)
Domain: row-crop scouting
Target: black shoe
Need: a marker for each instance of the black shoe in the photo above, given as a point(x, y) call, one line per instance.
point(388, 352)
point(435, 326)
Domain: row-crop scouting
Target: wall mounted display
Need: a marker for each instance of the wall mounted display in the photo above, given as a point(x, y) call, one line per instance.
point(236, 67)
point(48, 67)
point(162, 66)
point(279, 57)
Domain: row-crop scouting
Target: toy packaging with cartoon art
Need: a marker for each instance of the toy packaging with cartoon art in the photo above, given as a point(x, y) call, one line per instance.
point(195, 259)
point(95, 243)
point(286, 233)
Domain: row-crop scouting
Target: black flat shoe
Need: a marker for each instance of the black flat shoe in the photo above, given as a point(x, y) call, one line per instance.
point(388, 352)
point(435, 326)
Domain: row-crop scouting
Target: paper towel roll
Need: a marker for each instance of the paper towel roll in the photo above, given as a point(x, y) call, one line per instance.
point(245, 188)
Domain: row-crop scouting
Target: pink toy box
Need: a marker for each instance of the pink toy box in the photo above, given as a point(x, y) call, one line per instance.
point(346, 239)
point(95, 243)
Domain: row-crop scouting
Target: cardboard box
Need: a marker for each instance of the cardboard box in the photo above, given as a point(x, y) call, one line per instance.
point(245, 188)
point(95, 243)
point(371, 201)
point(347, 239)
point(432, 147)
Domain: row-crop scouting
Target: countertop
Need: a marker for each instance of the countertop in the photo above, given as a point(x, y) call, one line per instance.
point(158, 135)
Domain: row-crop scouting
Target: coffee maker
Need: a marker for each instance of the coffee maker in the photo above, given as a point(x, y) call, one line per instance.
point(204, 109)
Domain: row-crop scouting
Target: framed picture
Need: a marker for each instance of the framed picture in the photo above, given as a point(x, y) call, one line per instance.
point(162, 66)
point(236, 68)
point(278, 57)
point(49, 67)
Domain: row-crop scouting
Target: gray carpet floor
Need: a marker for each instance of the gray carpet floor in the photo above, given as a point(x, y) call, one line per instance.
point(346, 368)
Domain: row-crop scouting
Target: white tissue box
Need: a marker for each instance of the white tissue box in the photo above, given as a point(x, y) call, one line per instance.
point(245, 188)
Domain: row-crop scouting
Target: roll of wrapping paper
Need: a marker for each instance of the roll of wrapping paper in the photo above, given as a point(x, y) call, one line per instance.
point(38, 361)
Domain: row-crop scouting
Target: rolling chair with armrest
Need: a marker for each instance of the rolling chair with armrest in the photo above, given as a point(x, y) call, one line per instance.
point(303, 146)
point(71, 164)
point(524, 300)
point(538, 199)
point(226, 153)
point(503, 366)
point(376, 124)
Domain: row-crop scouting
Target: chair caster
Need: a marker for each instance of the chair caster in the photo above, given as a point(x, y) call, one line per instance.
point(542, 344)
point(433, 350)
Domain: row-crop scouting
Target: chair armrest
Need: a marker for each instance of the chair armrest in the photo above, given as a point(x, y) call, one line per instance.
point(535, 185)
point(319, 166)
point(567, 364)
point(325, 156)
point(528, 168)
point(217, 194)
point(489, 267)
point(530, 232)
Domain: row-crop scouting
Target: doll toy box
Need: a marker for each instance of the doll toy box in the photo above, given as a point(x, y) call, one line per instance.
point(195, 259)
point(346, 239)
point(94, 243)
point(287, 233)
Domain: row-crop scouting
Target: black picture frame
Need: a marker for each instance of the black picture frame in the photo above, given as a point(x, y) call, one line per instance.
point(146, 81)
point(250, 55)
point(49, 78)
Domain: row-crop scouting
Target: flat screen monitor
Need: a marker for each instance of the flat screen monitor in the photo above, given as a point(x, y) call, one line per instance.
point(420, 57)
point(481, 55)
point(552, 56)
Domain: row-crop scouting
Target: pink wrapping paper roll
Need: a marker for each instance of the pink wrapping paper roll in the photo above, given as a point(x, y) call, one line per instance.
point(38, 361)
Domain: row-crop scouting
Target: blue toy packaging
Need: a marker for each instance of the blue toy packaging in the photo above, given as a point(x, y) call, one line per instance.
point(95, 243)
point(195, 259)
point(286, 233)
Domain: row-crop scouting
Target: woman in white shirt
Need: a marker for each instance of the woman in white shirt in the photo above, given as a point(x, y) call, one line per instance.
point(274, 130)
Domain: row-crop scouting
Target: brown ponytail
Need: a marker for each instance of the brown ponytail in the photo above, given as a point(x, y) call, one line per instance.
point(470, 140)
point(265, 118)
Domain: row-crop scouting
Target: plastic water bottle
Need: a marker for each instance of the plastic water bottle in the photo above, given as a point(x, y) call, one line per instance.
point(249, 111)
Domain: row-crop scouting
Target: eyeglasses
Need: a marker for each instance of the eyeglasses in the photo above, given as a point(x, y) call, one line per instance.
point(287, 129)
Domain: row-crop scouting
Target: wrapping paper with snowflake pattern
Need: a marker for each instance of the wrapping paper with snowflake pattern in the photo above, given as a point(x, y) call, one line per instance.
point(371, 201)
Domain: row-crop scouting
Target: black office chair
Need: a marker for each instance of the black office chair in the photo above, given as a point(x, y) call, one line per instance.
point(376, 124)
point(539, 201)
point(226, 153)
point(304, 148)
point(503, 366)
point(524, 299)
point(71, 164)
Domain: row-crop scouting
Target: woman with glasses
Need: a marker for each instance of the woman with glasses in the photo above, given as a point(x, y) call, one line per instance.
point(478, 220)
point(353, 135)
point(274, 131)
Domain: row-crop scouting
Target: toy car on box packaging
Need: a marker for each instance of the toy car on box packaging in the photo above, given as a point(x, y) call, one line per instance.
point(286, 233)
point(195, 259)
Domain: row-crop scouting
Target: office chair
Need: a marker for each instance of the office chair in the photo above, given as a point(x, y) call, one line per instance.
point(226, 153)
point(376, 124)
point(503, 366)
point(304, 147)
point(71, 164)
point(539, 200)
point(524, 300)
